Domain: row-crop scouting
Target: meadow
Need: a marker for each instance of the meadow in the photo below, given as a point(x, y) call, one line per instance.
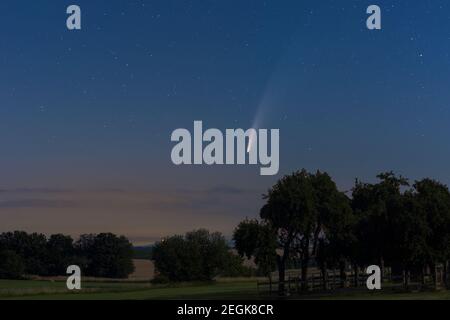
point(98, 290)
point(226, 289)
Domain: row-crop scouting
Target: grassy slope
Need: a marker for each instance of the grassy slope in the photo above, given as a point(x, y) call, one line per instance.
point(139, 291)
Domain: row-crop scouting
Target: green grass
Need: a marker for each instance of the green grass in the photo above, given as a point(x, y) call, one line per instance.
point(238, 289)
point(122, 291)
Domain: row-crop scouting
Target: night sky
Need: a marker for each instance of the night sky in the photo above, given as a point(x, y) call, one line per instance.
point(86, 116)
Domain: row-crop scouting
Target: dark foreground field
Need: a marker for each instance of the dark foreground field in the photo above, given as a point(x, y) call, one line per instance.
point(222, 289)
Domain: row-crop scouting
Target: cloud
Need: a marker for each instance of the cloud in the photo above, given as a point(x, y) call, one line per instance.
point(46, 190)
point(36, 203)
point(143, 215)
point(218, 190)
point(227, 190)
point(36, 190)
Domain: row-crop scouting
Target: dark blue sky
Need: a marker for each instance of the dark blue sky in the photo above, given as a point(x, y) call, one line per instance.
point(86, 116)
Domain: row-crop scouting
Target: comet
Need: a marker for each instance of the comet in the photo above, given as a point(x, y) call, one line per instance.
point(260, 117)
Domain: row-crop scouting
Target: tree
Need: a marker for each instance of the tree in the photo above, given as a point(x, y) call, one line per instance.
point(172, 259)
point(210, 249)
point(103, 255)
point(334, 226)
point(376, 206)
point(308, 211)
point(253, 239)
point(337, 237)
point(265, 253)
point(234, 267)
point(290, 212)
point(246, 237)
point(386, 223)
point(107, 255)
point(32, 248)
point(197, 256)
point(60, 253)
point(408, 246)
point(434, 204)
point(303, 214)
point(11, 265)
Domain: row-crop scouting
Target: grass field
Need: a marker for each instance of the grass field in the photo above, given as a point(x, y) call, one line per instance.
point(29, 289)
point(238, 289)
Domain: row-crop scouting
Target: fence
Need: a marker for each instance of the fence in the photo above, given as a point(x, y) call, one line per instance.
point(316, 282)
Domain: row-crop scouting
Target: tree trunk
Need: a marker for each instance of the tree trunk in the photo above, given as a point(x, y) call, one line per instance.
point(305, 262)
point(316, 240)
point(406, 279)
point(324, 276)
point(382, 268)
point(356, 280)
point(281, 275)
point(270, 283)
point(342, 273)
point(305, 274)
point(434, 275)
point(423, 277)
point(445, 277)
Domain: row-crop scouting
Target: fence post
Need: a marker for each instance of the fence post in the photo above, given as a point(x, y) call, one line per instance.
point(289, 284)
point(270, 285)
point(334, 279)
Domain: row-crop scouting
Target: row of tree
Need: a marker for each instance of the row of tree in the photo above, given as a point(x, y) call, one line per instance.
point(103, 255)
point(388, 223)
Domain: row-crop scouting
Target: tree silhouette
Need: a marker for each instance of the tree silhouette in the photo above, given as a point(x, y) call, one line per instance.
point(258, 240)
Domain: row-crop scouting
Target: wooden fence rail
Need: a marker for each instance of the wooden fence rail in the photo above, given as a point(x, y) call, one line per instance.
point(333, 281)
